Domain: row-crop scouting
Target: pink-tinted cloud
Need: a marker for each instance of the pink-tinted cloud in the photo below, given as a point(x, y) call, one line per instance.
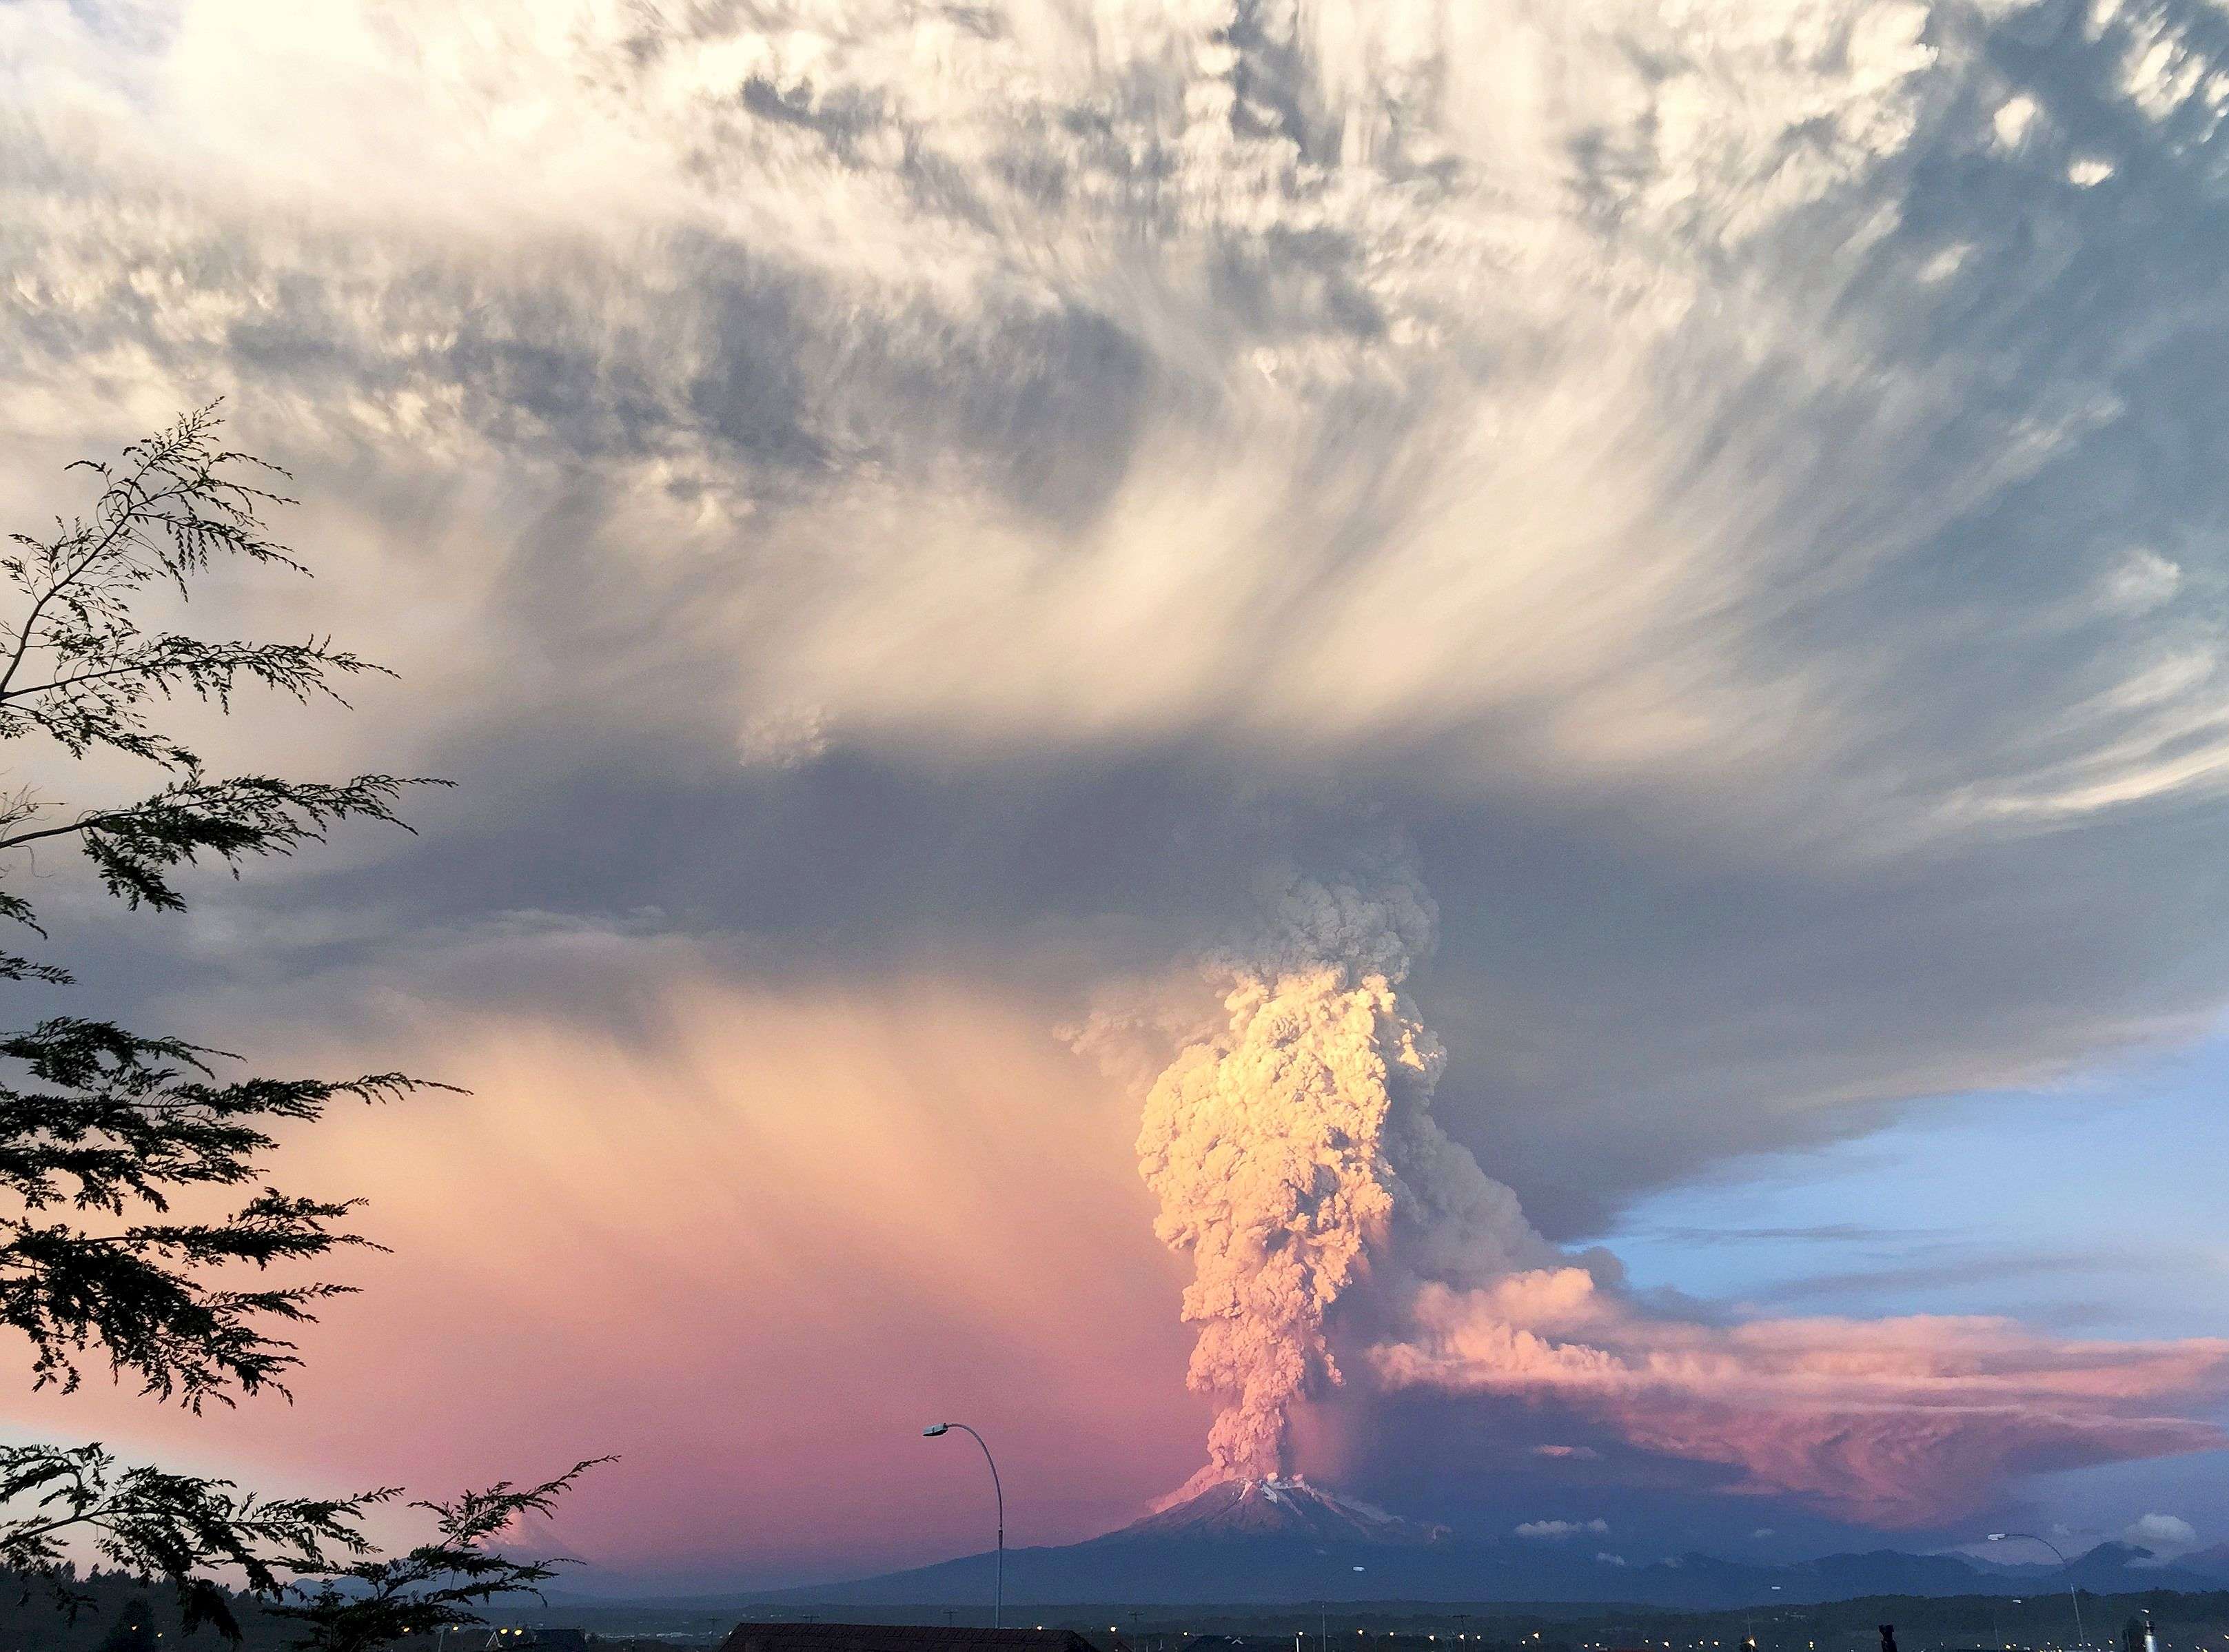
point(1896, 1422)
point(749, 1243)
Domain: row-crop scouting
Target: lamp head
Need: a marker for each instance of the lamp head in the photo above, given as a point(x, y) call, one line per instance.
point(1997, 1537)
point(936, 1429)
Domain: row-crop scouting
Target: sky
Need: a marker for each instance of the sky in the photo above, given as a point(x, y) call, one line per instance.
point(1475, 747)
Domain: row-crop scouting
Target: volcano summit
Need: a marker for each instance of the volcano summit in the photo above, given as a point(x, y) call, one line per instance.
point(1289, 1509)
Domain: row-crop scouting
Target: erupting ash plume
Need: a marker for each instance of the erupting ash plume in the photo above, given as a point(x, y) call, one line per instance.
point(1288, 1147)
point(1295, 1156)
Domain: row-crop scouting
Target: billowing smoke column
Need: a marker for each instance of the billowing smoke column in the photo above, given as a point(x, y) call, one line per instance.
point(1289, 1147)
point(1295, 1156)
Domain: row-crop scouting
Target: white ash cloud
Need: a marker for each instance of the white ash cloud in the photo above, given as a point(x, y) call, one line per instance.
point(2165, 1535)
point(1105, 333)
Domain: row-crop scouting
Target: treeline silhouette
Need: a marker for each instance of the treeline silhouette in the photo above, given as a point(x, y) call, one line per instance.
point(114, 1611)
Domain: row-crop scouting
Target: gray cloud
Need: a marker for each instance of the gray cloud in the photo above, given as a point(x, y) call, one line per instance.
point(1740, 609)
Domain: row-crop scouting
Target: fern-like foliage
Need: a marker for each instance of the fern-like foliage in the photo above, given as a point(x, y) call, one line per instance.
point(103, 1129)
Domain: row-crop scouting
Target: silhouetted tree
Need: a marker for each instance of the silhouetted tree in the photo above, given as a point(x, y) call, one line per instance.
point(102, 1128)
point(374, 1601)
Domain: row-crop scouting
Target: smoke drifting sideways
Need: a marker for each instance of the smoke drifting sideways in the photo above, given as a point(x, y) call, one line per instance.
point(1297, 1161)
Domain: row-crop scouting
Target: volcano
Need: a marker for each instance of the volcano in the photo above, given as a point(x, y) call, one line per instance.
point(1280, 1540)
point(1291, 1510)
point(1241, 1540)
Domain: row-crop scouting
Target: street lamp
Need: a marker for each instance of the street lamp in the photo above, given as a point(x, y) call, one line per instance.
point(2072, 1593)
point(998, 1600)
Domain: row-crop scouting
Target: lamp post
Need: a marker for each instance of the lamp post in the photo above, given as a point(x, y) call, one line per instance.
point(2072, 1593)
point(998, 1599)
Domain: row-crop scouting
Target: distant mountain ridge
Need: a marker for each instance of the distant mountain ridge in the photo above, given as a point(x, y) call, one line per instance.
point(2212, 1562)
point(1275, 1541)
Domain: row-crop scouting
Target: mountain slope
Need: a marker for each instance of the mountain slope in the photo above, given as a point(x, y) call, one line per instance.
point(1271, 1541)
point(1290, 1509)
